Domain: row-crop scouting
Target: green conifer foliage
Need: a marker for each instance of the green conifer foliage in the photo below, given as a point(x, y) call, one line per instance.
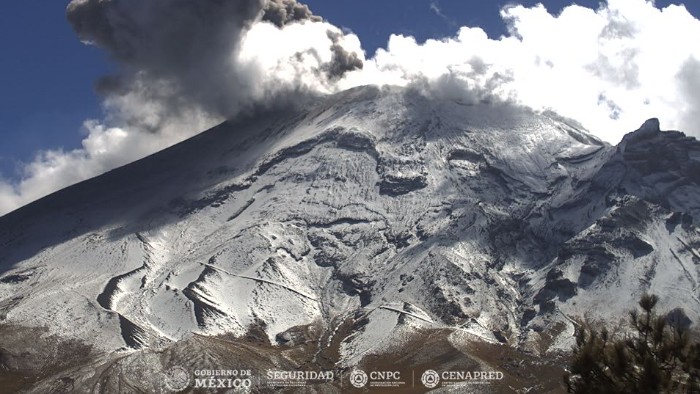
point(654, 354)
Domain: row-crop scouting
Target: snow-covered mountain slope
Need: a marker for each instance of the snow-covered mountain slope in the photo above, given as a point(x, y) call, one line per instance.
point(644, 202)
point(379, 208)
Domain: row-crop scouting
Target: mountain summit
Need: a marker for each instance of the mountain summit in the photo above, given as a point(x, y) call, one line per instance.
point(348, 231)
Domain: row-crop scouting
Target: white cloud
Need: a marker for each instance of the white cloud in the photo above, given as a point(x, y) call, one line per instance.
point(609, 68)
point(103, 149)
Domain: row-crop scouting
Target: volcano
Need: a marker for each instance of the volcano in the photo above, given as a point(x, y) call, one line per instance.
point(376, 226)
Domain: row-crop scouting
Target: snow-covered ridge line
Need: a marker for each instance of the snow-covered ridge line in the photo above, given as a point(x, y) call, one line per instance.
point(488, 218)
point(262, 280)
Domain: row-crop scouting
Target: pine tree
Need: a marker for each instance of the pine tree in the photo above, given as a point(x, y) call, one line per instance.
point(656, 355)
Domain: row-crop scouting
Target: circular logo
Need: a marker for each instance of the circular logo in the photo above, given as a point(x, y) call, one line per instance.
point(177, 378)
point(430, 379)
point(358, 378)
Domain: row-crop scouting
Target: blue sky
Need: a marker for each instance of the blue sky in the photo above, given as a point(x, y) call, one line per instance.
point(46, 80)
point(47, 76)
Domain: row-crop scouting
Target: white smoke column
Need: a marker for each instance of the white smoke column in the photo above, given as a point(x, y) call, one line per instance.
point(300, 59)
point(240, 57)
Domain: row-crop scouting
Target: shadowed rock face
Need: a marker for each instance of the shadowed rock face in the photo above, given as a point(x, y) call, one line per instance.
point(348, 230)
